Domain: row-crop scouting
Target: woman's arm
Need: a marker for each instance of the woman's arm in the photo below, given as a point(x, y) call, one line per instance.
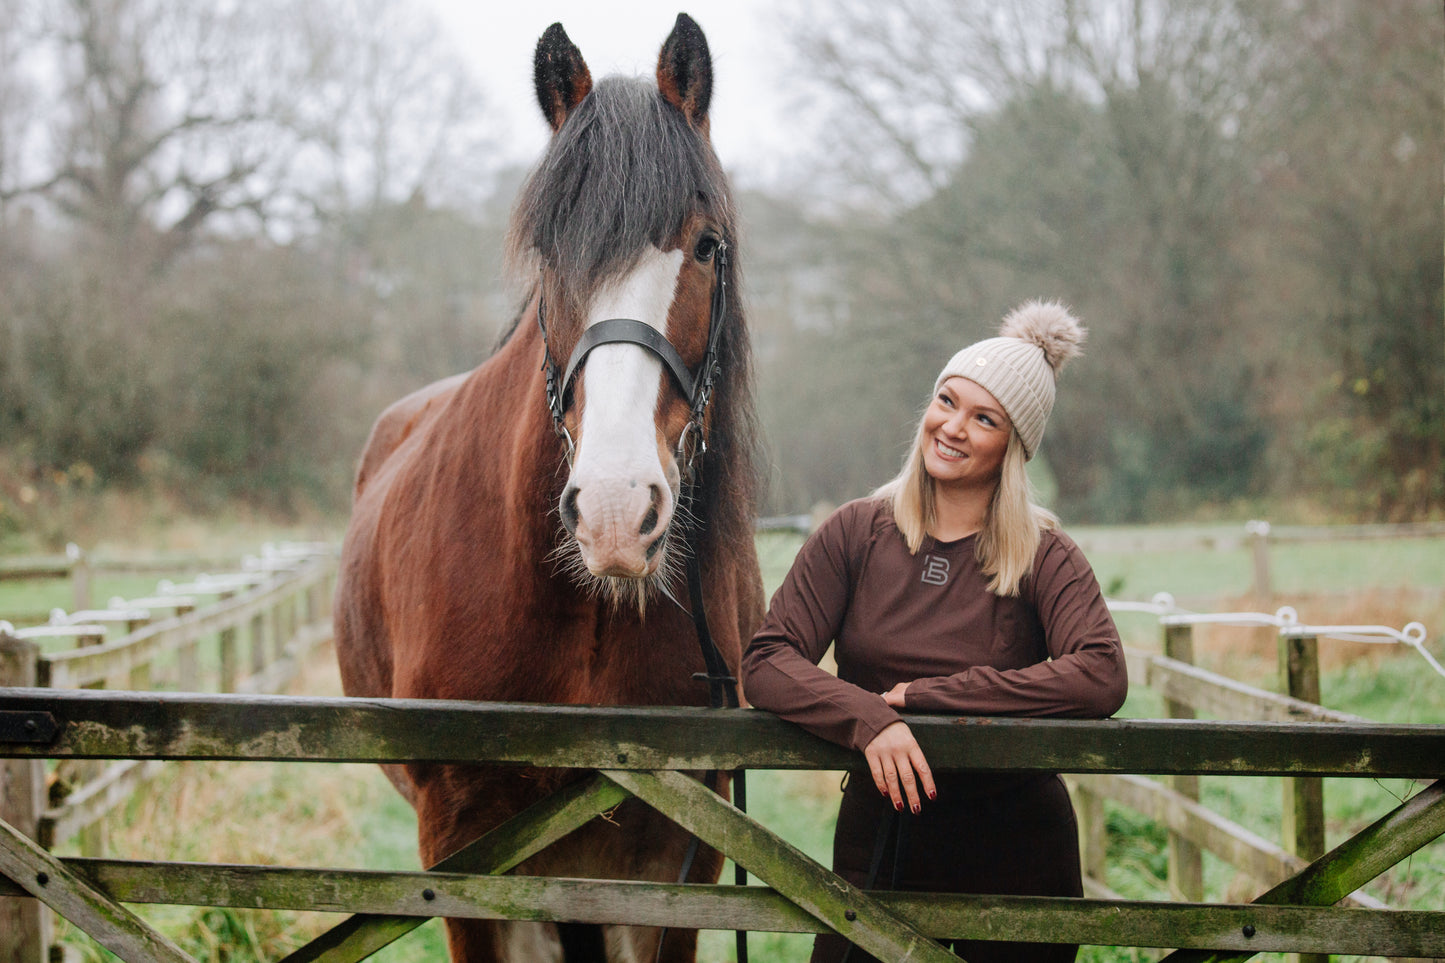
point(1084, 678)
point(780, 667)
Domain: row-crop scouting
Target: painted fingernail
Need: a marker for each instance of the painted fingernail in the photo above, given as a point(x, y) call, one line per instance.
point(898, 805)
point(917, 808)
point(933, 794)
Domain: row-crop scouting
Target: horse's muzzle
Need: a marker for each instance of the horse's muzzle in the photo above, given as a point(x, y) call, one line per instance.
point(620, 526)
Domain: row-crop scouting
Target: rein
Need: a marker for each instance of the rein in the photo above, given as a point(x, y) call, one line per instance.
point(696, 386)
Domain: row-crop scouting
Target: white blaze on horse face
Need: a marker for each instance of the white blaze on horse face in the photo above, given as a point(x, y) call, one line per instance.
point(624, 495)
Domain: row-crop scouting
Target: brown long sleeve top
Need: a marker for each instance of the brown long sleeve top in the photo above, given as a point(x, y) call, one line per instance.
point(929, 620)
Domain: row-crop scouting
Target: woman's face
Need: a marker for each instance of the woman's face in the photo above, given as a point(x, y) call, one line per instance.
point(965, 435)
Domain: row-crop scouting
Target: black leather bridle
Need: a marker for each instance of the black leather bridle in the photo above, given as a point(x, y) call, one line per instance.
point(695, 384)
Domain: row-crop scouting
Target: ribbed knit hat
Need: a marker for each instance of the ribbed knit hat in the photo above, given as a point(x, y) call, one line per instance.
point(1019, 366)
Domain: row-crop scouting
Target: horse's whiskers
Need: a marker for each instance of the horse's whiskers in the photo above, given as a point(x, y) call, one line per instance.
point(620, 593)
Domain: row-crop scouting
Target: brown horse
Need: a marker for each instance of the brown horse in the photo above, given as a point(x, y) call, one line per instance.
point(501, 549)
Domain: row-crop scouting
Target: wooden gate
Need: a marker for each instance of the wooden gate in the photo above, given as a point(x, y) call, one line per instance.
point(639, 752)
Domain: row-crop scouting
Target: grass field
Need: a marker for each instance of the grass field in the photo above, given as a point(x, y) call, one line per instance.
point(349, 816)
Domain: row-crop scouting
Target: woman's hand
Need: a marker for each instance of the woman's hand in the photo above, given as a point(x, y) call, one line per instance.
point(894, 696)
point(893, 758)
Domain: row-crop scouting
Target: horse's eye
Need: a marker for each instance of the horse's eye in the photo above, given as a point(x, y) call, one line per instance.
point(707, 246)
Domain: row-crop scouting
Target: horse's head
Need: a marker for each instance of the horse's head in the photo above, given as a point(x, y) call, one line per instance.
point(627, 216)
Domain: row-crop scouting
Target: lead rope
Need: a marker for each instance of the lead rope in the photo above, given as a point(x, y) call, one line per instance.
point(722, 692)
point(895, 823)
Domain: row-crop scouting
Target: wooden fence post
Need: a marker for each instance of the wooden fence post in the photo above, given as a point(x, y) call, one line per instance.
point(1303, 825)
point(187, 664)
point(79, 576)
point(1259, 547)
point(1186, 862)
point(25, 924)
point(93, 838)
point(1093, 835)
point(284, 631)
point(140, 674)
point(258, 643)
point(228, 653)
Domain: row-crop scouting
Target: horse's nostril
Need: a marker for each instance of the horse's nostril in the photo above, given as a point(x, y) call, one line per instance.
point(649, 521)
point(569, 509)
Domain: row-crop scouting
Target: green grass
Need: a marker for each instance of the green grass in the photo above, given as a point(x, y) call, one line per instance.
point(23, 601)
point(350, 816)
point(1296, 568)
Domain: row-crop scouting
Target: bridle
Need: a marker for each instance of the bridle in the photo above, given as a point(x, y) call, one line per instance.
point(696, 385)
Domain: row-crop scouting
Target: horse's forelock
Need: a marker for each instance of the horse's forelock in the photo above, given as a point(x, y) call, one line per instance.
point(622, 174)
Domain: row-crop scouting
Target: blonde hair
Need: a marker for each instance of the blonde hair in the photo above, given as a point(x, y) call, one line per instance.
point(1012, 528)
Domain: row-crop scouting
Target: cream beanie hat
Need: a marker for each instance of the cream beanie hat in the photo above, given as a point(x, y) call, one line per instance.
point(1019, 366)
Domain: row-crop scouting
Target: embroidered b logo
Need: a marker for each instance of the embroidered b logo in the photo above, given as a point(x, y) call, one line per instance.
point(935, 570)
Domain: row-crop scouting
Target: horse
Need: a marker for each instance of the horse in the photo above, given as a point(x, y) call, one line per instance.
point(519, 532)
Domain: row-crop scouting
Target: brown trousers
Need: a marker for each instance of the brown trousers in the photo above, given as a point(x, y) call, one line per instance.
point(1003, 835)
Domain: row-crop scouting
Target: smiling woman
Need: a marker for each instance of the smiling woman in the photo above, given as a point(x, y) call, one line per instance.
point(949, 591)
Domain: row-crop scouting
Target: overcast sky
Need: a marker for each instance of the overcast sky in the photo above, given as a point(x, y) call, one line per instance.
point(751, 129)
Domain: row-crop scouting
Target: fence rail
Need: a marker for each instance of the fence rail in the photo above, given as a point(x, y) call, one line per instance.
point(639, 750)
point(243, 632)
point(1188, 691)
point(280, 607)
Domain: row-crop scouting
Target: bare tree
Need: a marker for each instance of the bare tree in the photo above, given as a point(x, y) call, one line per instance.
point(236, 205)
point(1083, 149)
point(390, 111)
point(170, 116)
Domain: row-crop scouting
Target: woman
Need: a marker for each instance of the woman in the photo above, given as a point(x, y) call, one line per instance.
point(949, 591)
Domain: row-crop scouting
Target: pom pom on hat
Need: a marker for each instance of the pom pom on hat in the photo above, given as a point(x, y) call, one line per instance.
point(1018, 367)
point(1049, 325)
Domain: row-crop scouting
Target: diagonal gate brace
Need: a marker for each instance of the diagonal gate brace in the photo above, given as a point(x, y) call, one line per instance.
point(833, 901)
point(527, 833)
point(1350, 865)
point(104, 920)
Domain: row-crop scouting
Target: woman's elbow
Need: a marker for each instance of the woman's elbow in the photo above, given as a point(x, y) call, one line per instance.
point(1112, 688)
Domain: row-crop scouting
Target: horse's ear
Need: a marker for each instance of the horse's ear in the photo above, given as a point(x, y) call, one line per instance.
point(684, 71)
point(560, 75)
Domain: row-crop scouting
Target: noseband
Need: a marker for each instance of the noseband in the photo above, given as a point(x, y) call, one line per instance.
point(695, 385)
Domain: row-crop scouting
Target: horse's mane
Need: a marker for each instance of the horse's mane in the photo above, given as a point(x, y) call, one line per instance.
point(622, 174)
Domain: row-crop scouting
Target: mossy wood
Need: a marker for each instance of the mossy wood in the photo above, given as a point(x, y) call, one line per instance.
point(1391, 838)
point(1036, 919)
point(501, 849)
point(98, 724)
point(829, 898)
point(94, 912)
point(118, 725)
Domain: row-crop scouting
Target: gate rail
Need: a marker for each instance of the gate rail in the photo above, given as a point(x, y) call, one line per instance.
point(638, 752)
